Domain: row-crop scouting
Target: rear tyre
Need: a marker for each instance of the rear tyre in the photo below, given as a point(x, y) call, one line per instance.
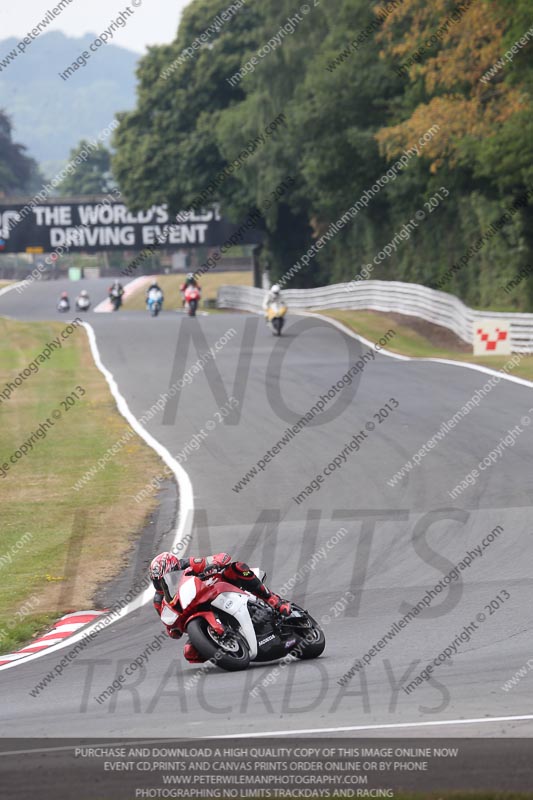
point(229, 652)
point(316, 644)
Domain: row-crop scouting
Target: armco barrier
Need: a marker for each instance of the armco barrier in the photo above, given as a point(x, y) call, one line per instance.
point(388, 296)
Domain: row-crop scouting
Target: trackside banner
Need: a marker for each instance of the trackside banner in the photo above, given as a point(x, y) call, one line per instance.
point(280, 767)
point(94, 224)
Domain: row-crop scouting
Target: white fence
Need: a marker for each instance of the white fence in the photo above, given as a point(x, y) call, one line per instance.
point(388, 296)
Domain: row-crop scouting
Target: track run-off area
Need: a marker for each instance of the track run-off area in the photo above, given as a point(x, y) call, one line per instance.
point(321, 515)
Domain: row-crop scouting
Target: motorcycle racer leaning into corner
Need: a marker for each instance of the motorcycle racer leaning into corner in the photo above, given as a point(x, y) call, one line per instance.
point(236, 572)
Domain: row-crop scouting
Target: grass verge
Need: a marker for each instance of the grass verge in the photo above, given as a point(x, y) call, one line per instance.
point(170, 284)
point(409, 342)
point(58, 544)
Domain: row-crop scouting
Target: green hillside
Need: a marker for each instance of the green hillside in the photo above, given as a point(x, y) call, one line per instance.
point(50, 115)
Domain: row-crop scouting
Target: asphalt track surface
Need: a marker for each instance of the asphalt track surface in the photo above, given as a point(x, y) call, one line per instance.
point(399, 541)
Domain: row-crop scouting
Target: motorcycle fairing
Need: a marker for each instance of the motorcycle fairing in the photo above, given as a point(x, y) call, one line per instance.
point(168, 615)
point(211, 619)
point(236, 605)
point(187, 592)
point(276, 310)
point(266, 644)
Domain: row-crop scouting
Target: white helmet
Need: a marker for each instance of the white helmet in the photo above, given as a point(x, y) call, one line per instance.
point(275, 289)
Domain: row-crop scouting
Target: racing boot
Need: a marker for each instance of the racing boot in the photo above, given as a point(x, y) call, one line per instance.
point(240, 573)
point(192, 655)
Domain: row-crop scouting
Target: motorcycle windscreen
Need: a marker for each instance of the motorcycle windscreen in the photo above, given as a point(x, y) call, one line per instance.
point(171, 581)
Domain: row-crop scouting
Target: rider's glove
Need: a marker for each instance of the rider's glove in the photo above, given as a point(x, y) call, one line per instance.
point(222, 559)
point(199, 565)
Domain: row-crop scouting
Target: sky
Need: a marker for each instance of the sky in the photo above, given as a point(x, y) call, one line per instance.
point(153, 21)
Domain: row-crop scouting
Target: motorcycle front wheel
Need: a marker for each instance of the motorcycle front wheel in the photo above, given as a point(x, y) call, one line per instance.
point(277, 323)
point(229, 651)
point(192, 308)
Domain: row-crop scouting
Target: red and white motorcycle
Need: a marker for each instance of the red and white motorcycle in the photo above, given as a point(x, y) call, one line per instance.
point(192, 298)
point(231, 626)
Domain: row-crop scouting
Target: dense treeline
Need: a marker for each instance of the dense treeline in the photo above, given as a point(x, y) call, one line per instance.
point(18, 172)
point(359, 86)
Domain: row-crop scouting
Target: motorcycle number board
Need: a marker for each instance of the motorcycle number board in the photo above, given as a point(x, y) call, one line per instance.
point(492, 337)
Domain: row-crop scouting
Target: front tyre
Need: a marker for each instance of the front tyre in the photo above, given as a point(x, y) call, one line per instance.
point(313, 643)
point(229, 651)
point(193, 304)
point(277, 324)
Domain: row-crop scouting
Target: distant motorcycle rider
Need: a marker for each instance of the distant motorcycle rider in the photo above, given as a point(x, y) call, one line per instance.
point(116, 289)
point(273, 296)
point(235, 572)
point(154, 294)
point(83, 300)
point(190, 282)
point(154, 287)
point(63, 304)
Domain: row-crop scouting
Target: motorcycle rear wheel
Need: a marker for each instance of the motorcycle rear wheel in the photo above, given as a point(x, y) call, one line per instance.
point(203, 637)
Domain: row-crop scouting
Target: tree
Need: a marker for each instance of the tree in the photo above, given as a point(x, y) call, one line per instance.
point(349, 111)
point(92, 175)
point(447, 52)
point(18, 172)
point(166, 147)
point(451, 60)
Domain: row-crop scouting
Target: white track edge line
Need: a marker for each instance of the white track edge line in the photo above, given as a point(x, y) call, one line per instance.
point(377, 727)
point(10, 288)
point(391, 725)
point(449, 362)
point(186, 505)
